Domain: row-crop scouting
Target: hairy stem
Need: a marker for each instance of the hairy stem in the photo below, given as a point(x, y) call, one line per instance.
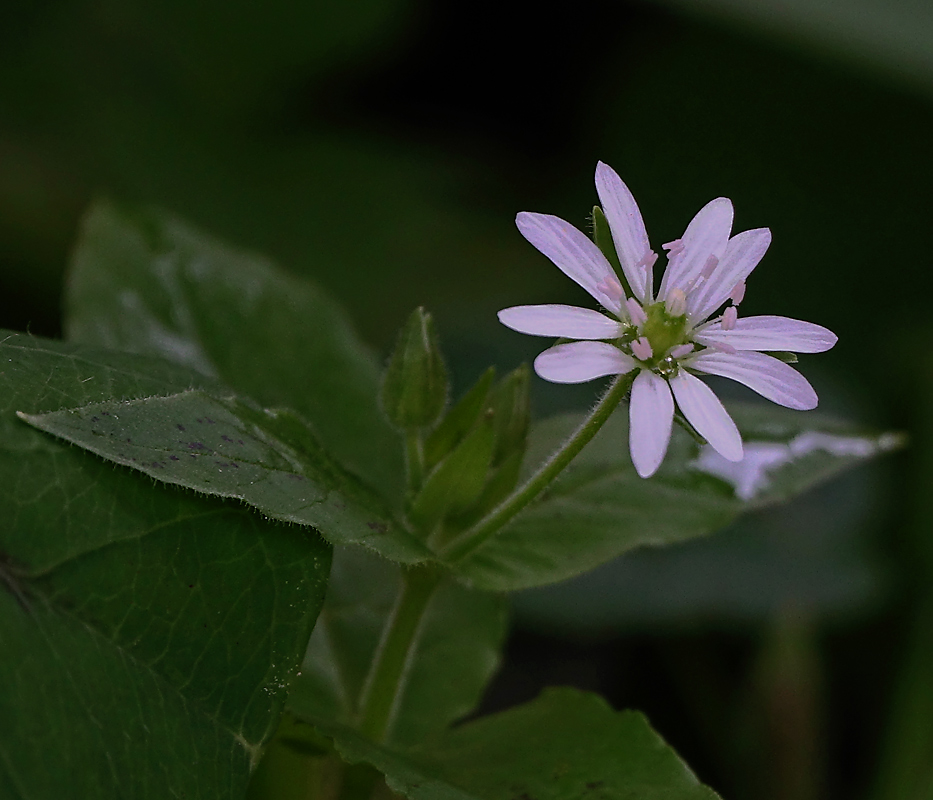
point(387, 672)
point(472, 538)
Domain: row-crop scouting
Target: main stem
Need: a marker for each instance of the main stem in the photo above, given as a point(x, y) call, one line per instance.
point(472, 538)
point(387, 671)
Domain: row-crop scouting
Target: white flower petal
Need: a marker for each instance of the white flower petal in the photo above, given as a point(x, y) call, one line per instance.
point(559, 320)
point(706, 235)
point(651, 415)
point(628, 229)
point(766, 375)
point(742, 255)
point(579, 362)
point(770, 333)
point(705, 412)
point(574, 254)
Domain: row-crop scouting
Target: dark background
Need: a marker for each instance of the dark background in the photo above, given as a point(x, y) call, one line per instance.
point(383, 147)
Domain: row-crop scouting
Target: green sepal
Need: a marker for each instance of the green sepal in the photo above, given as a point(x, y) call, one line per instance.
point(502, 480)
point(781, 355)
point(511, 413)
point(602, 235)
point(414, 386)
point(456, 483)
point(459, 420)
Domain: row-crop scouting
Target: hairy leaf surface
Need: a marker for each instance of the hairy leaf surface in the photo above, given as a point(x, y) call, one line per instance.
point(148, 635)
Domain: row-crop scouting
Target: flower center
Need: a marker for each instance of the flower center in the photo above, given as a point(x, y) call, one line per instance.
point(663, 330)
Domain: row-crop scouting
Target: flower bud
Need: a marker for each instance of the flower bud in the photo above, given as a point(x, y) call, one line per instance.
point(459, 420)
point(511, 414)
point(414, 386)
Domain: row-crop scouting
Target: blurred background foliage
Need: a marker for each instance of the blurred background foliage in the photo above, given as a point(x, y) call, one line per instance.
point(382, 148)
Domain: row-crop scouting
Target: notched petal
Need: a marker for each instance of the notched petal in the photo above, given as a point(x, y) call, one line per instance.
point(579, 362)
point(560, 321)
point(651, 416)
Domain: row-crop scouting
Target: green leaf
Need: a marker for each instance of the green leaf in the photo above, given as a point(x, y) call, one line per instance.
point(148, 635)
point(565, 745)
point(266, 458)
point(456, 652)
point(144, 282)
point(599, 508)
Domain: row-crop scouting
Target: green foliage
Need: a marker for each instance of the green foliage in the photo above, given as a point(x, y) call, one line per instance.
point(565, 745)
point(599, 508)
point(230, 379)
point(266, 458)
point(148, 635)
point(414, 385)
point(144, 282)
point(455, 654)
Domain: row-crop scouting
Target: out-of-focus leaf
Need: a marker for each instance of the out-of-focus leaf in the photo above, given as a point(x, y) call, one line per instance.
point(144, 282)
point(225, 447)
point(455, 654)
point(599, 508)
point(894, 34)
point(148, 635)
point(565, 744)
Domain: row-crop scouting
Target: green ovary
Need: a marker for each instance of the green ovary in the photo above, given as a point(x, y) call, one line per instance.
point(663, 331)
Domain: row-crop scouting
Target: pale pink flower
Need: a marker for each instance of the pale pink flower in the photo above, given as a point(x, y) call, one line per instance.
point(670, 336)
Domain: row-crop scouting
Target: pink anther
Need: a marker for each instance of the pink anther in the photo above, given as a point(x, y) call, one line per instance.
point(635, 312)
point(681, 350)
point(737, 295)
point(676, 303)
point(729, 317)
point(647, 260)
point(722, 347)
point(674, 248)
point(610, 287)
point(641, 349)
point(711, 263)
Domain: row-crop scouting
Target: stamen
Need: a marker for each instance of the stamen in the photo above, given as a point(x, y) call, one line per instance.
point(711, 263)
point(635, 312)
point(737, 295)
point(611, 287)
point(681, 350)
point(676, 303)
point(647, 260)
point(674, 248)
point(729, 317)
point(722, 347)
point(641, 349)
